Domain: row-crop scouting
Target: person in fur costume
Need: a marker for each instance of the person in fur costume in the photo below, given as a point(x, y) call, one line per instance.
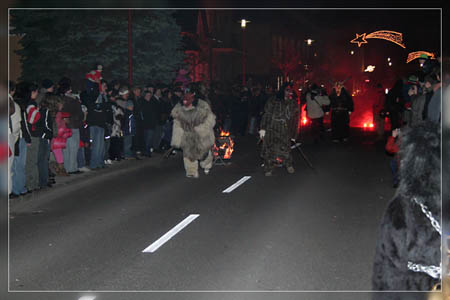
point(408, 251)
point(193, 123)
point(278, 129)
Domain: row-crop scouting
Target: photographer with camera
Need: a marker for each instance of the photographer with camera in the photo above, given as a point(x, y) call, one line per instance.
point(316, 101)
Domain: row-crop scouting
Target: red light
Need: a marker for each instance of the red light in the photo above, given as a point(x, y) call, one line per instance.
point(365, 125)
point(304, 121)
point(371, 125)
point(367, 80)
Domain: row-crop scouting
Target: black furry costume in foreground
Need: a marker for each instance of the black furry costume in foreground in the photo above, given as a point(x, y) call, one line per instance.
point(406, 234)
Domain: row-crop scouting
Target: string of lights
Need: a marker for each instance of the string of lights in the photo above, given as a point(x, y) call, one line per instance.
point(392, 36)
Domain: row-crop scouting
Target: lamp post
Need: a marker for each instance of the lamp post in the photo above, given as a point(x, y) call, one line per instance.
point(243, 25)
point(130, 51)
point(309, 43)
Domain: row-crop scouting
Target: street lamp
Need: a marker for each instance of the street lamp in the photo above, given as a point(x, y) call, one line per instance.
point(243, 26)
point(352, 52)
point(309, 42)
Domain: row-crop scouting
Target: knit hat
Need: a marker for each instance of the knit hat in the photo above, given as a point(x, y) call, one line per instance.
point(123, 91)
point(47, 83)
point(413, 79)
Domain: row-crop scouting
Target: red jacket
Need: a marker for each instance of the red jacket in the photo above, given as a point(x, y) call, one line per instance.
point(59, 142)
point(392, 145)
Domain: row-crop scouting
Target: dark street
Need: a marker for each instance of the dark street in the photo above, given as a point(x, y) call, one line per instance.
point(312, 230)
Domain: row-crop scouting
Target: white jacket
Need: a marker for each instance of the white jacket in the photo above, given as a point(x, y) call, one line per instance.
point(314, 107)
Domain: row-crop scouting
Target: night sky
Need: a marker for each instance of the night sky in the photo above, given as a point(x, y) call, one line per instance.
point(420, 28)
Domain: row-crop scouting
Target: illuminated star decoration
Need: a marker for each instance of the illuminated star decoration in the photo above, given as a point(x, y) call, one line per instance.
point(413, 55)
point(392, 36)
point(359, 39)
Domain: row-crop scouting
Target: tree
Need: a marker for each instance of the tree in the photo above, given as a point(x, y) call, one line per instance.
point(68, 43)
point(158, 53)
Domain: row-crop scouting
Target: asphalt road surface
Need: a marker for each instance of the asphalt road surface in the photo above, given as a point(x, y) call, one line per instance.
point(314, 230)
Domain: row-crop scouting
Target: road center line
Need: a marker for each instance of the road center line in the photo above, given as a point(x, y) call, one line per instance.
point(238, 183)
point(162, 240)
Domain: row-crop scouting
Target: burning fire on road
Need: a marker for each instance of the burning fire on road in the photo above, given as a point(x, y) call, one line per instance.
point(224, 146)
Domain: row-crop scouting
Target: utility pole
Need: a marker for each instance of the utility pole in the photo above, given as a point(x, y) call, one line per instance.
point(130, 51)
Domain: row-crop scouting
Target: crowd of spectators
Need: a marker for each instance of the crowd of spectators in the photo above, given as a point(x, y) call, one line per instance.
point(55, 131)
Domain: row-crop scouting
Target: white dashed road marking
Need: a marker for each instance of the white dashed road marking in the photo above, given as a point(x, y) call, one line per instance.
point(153, 247)
point(234, 186)
point(87, 298)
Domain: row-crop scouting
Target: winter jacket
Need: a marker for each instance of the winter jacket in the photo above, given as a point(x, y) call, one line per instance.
point(150, 112)
point(24, 130)
point(16, 119)
point(33, 116)
point(96, 105)
point(128, 123)
point(392, 145)
point(314, 104)
point(44, 127)
point(63, 133)
point(73, 107)
point(395, 102)
point(116, 130)
point(158, 103)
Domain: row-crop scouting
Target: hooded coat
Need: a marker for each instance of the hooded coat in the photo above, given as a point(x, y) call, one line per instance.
point(193, 129)
point(280, 121)
point(406, 234)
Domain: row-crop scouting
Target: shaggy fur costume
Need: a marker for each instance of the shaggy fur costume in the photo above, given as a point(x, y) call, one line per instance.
point(406, 234)
point(193, 130)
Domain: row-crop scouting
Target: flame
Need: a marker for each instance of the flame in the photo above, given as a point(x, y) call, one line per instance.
point(226, 146)
point(224, 133)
